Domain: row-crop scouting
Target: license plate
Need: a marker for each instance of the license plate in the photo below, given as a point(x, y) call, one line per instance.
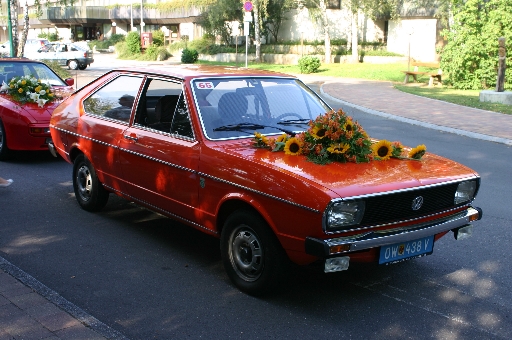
point(406, 250)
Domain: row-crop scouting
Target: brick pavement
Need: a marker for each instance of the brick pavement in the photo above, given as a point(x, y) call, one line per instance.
point(30, 310)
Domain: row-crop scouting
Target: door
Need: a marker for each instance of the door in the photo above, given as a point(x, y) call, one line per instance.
point(159, 155)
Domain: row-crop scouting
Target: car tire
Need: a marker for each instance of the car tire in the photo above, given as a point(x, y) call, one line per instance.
point(82, 66)
point(252, 255)
point(73, 64)
point(89, 191)
point(4, 150)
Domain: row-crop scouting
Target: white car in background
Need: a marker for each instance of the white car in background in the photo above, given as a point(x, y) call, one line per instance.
point(67, 54)
point(31, 46)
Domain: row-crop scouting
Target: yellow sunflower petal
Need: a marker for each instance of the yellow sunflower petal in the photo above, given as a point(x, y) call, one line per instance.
point(293, 147)
point(382, 150)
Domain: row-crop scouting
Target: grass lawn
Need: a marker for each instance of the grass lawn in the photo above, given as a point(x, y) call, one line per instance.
point(389, 72)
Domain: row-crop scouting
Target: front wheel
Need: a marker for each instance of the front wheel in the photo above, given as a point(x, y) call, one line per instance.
point(252, 256)
point(73, 64)
point(89, 191)
point(82, 66)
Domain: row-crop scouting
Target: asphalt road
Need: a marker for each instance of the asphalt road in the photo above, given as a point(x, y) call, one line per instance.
point(151, 278)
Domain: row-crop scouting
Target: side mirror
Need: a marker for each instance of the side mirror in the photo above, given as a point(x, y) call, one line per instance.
point(70, 81)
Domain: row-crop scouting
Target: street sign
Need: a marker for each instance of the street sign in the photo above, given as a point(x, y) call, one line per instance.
point(248, 6)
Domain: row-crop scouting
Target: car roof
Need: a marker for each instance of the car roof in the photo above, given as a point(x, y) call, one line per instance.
point(20, 60)
point(189, 72)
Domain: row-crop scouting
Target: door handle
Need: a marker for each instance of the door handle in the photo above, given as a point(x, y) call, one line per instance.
point(133, 138)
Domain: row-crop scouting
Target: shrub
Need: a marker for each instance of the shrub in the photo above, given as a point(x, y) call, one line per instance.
point(189, 56)
point(133, 42)
point(308, 64)
point(158, 38)
point(154, 52)
point(54, 65)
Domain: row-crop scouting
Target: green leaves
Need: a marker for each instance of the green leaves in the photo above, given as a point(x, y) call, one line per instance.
point(470, 58)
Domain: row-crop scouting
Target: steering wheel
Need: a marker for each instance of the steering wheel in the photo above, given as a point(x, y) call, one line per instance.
point(293, 114)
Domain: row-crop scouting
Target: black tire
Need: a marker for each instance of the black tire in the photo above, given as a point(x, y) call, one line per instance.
point(82, 66)
point(252, 255)
point(4, 150)
point(89, 191)
point(73, 64)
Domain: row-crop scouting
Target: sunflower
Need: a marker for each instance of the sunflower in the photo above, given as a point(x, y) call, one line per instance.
point(318, 132)
point(417, 152)
point(293, 147)
point(282, 138)
point(349, 126)
point(338, 148)
point(382, 150)
point(20, 90)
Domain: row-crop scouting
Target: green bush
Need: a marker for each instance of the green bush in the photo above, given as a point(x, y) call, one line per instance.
point(308, 64)
point(189, 56)
point(54, 65)
point(158, 38)
point(469, 59)
point(133, 42)
point(50, 36)
point(154, 52)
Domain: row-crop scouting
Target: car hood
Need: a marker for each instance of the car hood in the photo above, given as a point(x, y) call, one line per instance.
point(351, 179)
point(40, 114)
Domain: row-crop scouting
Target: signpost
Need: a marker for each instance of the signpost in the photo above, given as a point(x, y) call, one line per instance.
point(247, 20)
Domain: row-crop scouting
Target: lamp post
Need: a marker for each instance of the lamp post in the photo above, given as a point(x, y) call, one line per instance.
point(114, 27)
point(141, 16)
point(411, 32)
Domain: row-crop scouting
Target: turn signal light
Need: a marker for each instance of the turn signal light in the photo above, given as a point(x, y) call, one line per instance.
point(339, 248)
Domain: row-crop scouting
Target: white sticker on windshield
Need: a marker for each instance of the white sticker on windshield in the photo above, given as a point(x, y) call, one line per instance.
point(203, 85)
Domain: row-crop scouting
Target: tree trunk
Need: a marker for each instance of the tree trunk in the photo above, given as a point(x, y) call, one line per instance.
point(257, 38)
point(327, 38)
point(355, 42)
point(502, 65)
point(21, 45)
point(14, 24)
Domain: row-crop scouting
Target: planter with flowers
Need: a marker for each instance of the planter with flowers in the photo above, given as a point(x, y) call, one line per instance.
point(334, 136)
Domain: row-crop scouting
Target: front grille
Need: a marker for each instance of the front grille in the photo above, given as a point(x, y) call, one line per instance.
point(398, 206)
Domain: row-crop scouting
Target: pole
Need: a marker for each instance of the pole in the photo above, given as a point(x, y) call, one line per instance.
point(141, 19)
point(246, 48)
point(9, 26)
point(131, 17)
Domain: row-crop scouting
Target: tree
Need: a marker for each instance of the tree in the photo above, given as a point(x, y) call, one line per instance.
point(275, 15)
point(470, 57)
point(318, 11)
point(217, 17)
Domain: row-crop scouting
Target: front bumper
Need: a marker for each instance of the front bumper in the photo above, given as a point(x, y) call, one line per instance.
point(344, 245)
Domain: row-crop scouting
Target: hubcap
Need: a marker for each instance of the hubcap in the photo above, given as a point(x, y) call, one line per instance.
point(246, 254)
point(84, 182)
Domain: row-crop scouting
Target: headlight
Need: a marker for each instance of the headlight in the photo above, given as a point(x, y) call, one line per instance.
point(342, 214)
point(465, 192)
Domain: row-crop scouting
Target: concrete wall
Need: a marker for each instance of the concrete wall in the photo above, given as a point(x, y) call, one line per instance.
point(419, 33)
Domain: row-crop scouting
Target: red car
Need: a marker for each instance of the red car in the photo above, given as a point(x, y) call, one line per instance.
point(24, 126)
point(262, 162)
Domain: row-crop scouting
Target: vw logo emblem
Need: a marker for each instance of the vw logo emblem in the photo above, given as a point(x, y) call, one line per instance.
point(417, 203)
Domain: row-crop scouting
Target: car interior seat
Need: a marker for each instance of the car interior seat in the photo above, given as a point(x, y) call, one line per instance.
point(161, 117)
point(232, 107)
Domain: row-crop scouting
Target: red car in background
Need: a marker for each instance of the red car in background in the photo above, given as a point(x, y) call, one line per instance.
point(24, 126)
point(260, 161)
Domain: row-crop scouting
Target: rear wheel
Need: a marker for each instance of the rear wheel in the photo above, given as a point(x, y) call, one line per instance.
point(73, 64)
point(4, 150)
point(89, 191)
point(252, 256)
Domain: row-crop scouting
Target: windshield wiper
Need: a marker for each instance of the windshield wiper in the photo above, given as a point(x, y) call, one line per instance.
point(251, 126)
point(239, 127)
point(294, 121)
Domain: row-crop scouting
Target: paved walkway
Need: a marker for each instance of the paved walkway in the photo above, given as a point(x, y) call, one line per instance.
point(30, 310)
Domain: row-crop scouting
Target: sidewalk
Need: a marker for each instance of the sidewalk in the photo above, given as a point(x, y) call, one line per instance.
point(30, 310)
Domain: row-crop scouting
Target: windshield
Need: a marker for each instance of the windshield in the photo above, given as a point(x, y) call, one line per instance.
point(9, 69)
point(236, 107)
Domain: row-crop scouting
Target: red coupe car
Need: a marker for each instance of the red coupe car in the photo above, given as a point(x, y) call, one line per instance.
point(262, 162)
point(24, 125)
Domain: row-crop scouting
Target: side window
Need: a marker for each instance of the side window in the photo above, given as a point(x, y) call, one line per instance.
point(114, 100)
point(158, 103)
point(181, 122)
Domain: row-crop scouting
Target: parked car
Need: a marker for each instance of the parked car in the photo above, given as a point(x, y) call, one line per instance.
point(31, 46)
point(24, 126)
point(66, 54)
point(239, 154)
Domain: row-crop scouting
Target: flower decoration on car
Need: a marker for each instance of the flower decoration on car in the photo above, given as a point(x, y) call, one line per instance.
point(28, 89)
point(334, 136)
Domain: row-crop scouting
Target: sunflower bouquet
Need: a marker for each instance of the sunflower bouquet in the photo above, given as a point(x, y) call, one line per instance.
point(28, 89)
point(334, 136)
